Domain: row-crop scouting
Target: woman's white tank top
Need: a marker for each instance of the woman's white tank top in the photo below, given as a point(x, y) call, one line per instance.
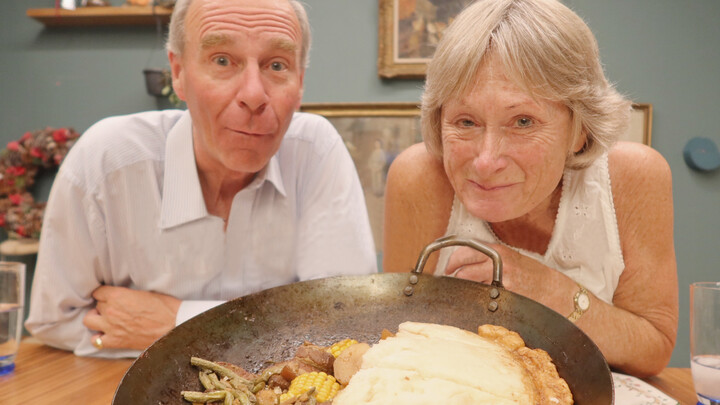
point(585, 243)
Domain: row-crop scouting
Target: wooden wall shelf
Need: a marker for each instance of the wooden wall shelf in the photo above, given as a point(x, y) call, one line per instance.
point(98, 16)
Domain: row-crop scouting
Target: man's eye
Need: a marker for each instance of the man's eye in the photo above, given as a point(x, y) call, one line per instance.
point(524, 122)
point(221, 61)
point(277, 66)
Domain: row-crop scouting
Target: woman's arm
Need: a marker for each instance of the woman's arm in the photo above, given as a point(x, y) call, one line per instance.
point(418, 201)
point(645, 313)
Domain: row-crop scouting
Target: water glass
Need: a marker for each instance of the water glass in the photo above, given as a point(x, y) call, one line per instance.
point(705, 341)
point(12, 299)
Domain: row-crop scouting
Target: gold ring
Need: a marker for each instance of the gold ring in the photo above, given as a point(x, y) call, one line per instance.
point(97, 342)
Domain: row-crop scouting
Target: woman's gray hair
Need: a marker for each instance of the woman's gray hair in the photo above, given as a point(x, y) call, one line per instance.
point(176, 32)
point(546, 49)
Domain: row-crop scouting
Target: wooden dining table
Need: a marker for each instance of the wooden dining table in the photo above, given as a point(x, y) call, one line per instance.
point(46, 375)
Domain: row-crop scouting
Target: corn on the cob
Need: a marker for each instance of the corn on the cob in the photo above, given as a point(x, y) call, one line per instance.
point(338, 347)
point(325, 386)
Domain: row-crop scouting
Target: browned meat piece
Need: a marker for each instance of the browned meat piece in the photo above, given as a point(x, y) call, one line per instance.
point(316, 356)
point(266, 397)
point(294, 368)
point(277, 380)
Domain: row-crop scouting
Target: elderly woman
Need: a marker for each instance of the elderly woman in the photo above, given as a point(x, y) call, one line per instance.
point(520, 127)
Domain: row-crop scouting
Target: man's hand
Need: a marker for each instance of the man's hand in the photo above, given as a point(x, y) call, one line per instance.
point(130, 319)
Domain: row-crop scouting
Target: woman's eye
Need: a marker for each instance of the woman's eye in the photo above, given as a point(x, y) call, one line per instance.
point(466, 123)
point(524, 122)
point(221, 61)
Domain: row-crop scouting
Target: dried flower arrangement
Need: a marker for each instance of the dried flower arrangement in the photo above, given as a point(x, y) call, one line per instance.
point(20, 162)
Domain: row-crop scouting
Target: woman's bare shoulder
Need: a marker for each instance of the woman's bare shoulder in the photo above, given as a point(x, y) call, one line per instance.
point(641, 186)
point(635, 167)
point(419, 173)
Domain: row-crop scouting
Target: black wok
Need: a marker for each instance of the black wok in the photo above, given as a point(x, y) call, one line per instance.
point(271, 324)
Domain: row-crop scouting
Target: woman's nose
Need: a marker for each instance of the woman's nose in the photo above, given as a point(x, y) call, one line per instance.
point(489, 151)
point(252, 93)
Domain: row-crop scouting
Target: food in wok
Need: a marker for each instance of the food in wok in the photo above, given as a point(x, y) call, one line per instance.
point(423, 363)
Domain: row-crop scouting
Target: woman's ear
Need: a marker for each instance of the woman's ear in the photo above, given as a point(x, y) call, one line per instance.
point(580, 141)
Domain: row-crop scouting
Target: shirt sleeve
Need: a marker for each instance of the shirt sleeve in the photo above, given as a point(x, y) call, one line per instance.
point(71, 260)
point(334, 235)
point(189, 309)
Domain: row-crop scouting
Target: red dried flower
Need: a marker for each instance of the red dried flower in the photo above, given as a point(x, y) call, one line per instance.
point(36, 153)
point(14, 146)
point(15, 199)
point(60, 135)
point(16, 170)
point(2, 219)
point(20, 230)
point(26, 136)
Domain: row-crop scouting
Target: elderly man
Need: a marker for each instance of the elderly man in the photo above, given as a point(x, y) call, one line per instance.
point(156, 216)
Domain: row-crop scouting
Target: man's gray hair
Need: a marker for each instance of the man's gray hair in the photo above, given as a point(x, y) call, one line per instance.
point(176, 33)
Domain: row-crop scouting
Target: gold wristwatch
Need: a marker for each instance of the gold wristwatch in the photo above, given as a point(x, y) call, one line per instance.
point(582, 303)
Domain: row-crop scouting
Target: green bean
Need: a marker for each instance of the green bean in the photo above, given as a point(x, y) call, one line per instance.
point(269, 373)
point(235, 380)
point(206, 381)
point(244, 399)
point(194, 396)
point(217, 383)
point(258, 387)
point(228, 399)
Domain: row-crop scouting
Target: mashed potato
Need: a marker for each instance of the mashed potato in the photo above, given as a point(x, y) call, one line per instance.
point(438, 364)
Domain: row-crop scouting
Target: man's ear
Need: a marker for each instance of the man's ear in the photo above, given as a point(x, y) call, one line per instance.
point(177, 72)
point(301, 91)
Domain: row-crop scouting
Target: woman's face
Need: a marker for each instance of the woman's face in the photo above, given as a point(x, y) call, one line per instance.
point(503, 151)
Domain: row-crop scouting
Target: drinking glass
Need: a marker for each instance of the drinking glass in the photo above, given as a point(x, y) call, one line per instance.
point(12, 299)
point(705, 341)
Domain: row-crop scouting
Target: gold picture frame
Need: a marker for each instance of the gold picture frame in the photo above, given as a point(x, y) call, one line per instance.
point(408, 31)
point(640, 129)
point(374, 134)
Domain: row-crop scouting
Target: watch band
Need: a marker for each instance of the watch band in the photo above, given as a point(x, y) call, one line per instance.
point(581, 300)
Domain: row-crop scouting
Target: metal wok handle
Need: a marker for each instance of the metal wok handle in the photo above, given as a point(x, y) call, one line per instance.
point(454, 240)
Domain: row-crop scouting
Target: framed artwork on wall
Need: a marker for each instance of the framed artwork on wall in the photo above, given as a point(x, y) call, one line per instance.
point(408, 32)
point(640, 124)
point(374, 134)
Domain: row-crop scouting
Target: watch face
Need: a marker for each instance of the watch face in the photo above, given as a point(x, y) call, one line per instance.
point(583, 301)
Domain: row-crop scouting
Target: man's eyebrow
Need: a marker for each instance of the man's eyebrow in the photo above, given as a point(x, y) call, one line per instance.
point(215, 39)
point(284, 45)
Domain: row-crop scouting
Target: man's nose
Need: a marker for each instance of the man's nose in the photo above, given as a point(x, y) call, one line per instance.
point(251, 93)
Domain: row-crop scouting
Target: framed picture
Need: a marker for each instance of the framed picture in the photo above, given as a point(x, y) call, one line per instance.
point(374, 133)
point(640, 124)
point(408, 32)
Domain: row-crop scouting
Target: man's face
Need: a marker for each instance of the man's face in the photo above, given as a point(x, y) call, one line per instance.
point(241, 78)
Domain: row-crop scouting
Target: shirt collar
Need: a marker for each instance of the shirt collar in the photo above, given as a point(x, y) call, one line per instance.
point(182, 199)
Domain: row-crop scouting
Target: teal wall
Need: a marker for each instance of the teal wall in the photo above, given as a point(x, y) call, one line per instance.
point(662, 52)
